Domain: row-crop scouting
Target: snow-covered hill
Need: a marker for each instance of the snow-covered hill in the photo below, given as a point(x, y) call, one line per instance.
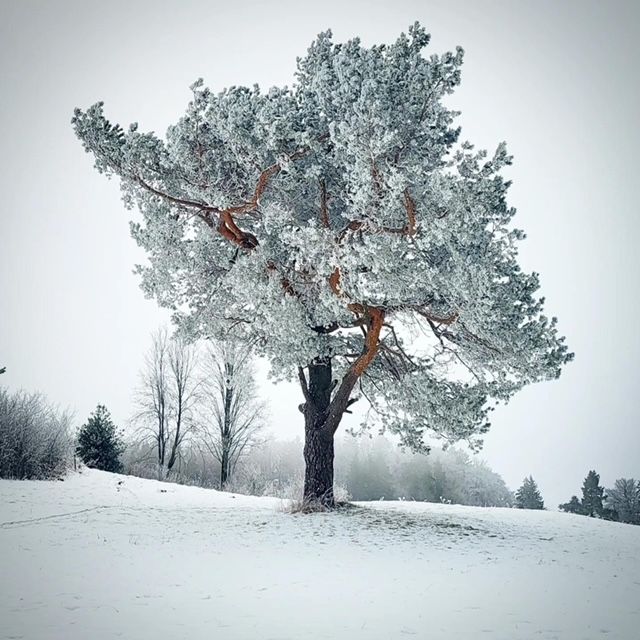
point(106, 556)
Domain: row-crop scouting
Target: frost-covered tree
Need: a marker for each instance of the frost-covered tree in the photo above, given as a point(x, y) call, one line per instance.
point(592, 495)
point(573, 506)
point(35, 436)
point(232, 414)
point(624, 500)
point(528, 496)
point(99, 443)
point(339, 228)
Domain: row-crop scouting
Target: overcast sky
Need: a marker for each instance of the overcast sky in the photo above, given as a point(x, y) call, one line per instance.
point(556, 80)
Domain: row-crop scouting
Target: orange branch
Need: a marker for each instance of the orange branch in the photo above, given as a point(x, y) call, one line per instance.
point(341, 399)
point(324, 212)
point(450, 319)
point(263, 181)
point(334, 282)
point(408, 230)
point(410, 206)
point(228, 227)
point(230, 230)
point(371, 342)
point(284, 281)
point(354, 225)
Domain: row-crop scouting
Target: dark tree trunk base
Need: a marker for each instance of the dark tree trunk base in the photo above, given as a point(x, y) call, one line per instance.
point(318, 475)
point(318, 445)
point(224, 471)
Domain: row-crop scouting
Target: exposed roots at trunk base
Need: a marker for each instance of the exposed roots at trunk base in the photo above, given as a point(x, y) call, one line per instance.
point(315, 506)
point(310, 506)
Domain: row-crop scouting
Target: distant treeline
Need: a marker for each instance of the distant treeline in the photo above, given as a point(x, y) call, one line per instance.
point(37, 442)
point(365, 469)
point(620, 503)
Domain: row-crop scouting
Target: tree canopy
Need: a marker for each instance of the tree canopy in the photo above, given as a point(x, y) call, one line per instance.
point(340, 221)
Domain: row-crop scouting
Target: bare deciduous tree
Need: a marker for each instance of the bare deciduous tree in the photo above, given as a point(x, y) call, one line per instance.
point(167, 397)
point(232, 414)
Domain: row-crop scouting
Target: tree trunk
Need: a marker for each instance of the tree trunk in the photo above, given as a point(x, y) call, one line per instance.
point(224, 468)
point(318, 445)
point(225, 438)
point(318, 473)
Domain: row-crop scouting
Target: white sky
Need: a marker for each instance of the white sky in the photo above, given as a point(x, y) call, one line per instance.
point(557, 81)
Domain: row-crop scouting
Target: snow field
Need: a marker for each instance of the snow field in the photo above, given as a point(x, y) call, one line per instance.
point(104, 556)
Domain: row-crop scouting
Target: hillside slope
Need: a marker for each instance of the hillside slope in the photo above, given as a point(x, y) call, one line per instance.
point(104, 556)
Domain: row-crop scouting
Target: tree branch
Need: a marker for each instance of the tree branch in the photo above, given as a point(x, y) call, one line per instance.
point(324, 211)
point(303, 383)
point(340, 401)
point(263, 181)
point(180, 201)
point(408, 230)
point(447, 320)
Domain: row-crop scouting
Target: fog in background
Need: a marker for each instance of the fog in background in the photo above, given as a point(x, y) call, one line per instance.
point(557, 81)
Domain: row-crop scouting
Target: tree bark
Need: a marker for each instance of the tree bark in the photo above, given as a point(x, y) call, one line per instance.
point(318, 445)
point(224, 468)
point(322, 414)
point(226, 426)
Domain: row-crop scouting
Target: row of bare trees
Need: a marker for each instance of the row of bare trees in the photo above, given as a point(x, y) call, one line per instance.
point(204, 395)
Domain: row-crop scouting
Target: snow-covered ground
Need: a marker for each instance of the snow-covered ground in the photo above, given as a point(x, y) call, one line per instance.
point(106, 556)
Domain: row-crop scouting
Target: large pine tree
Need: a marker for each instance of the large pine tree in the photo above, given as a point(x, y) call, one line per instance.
point(338, 228)
point(528, 496)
